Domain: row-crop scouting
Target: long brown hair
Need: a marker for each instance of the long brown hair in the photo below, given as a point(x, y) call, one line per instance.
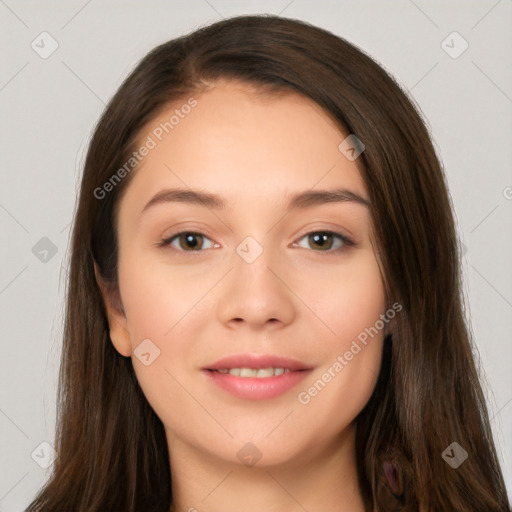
point(112, 451)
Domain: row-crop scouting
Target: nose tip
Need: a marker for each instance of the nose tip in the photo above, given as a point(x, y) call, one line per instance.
point(253, 294)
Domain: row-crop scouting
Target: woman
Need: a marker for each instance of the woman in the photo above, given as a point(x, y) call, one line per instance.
point(264, 308)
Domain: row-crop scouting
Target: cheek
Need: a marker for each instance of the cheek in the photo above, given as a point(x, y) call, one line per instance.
point(157, 298)
point(350, 298)
point(351, 306)
point(159, 305)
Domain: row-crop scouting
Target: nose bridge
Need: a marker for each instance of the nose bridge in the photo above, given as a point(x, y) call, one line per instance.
point(253, 293)
point(252, 263)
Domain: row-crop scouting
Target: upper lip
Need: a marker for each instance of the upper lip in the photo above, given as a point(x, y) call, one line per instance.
point(257, 361)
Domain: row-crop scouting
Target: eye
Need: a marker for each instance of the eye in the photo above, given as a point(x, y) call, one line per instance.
point(327, 241)
point(322, 241)
point(188, 241)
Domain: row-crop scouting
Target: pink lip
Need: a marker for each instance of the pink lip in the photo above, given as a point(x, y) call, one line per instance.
point(253, 388)
point(257, 361)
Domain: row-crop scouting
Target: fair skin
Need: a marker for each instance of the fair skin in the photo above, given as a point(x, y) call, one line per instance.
point(296, 300)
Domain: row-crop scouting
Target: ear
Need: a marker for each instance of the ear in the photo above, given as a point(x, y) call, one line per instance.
point(390, 324)
point(119, 333)
point(389, 329)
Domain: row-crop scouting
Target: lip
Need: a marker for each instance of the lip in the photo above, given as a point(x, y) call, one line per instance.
point(257, 361)
point(253, 388)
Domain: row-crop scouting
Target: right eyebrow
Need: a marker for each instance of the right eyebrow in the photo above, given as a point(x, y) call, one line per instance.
point(186, 196)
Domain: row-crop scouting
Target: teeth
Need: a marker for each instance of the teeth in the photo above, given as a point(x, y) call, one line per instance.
point(252, 372)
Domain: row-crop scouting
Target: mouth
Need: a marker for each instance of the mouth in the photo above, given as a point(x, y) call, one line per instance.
point(252, 361)
point(256, 376)
point(259, 373)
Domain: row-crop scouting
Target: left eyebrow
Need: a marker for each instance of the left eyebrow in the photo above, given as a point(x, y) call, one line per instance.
point(312, 198)
point(300, 200)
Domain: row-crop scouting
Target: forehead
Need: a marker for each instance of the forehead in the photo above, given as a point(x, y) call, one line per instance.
point(238, 142)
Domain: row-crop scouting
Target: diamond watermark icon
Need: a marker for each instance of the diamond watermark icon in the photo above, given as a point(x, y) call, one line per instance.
point(455, 455)
point(249, 454)
point(249, 249)
point(146, 352)
point(351, 147)
point(454, 45)
point(44, 45)
point(44, 455)
point(44, 250)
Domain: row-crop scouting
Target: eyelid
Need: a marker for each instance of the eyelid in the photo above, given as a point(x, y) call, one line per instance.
point(169, 239)
point(346, 241)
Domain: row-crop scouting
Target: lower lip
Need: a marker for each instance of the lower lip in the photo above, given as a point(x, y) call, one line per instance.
point(254, 388)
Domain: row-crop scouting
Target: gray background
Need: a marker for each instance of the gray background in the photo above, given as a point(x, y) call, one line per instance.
point(49, 108)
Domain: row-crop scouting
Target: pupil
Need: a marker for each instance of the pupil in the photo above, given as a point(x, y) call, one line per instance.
point(321, 239)
point(191, 241)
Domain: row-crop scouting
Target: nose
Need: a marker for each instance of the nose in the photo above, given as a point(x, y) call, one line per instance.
point(256, 294)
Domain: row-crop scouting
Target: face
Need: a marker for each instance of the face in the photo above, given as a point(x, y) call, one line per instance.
point(247, 279)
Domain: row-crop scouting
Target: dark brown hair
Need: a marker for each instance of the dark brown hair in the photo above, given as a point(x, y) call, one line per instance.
point(112, 451)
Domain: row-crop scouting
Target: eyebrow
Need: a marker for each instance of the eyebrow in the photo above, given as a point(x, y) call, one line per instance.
point(300, 200)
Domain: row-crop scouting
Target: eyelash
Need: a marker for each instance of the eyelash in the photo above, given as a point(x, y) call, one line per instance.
point(347, 242)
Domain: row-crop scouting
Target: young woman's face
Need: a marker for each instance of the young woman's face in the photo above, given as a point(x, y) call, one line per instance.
point(252, 284)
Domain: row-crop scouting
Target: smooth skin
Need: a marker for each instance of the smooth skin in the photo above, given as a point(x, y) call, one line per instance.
point(298, 299)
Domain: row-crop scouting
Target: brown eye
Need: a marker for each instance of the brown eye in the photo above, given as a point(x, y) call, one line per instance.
point(190, 241)
point(187, 241)
point(323, 241)
point(326, 241)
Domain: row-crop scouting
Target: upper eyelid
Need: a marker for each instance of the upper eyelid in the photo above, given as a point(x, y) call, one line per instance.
point(344, 238)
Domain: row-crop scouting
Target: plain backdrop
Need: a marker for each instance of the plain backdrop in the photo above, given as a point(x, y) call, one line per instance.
point(51, 97)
